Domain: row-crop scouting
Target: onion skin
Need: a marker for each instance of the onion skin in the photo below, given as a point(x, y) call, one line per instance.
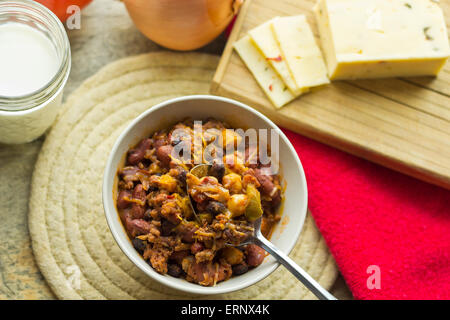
point(182, 24)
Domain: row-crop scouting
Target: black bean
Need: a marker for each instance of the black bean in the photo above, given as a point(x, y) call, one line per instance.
point(166, 227)
point(174, 270)
point(239, 269)
point(139, 245)
point(215, 207)
point(182, 176)
point(217, 170)
point(148, 215)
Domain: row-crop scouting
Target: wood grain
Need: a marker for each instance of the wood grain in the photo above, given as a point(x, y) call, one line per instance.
point(401, 123)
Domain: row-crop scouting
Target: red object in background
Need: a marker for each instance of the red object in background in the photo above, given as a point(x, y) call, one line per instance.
point(372, 217)
point(59, 7)
point(230, 27)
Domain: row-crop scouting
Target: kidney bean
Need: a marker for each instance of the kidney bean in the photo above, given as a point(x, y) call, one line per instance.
point(163, 153)
point(160, 140)
point(125, 216)
point(239, 269)
point(178, 256)
point(187, 231)
point(255, 255)
point(276, 198)
point(122, 203)
point(138, 226)
point(139, 193)
point(137, 155)
point(129, 173)
point(137, 210)
point(197, 247)
point(188, 236)
point(267, 185)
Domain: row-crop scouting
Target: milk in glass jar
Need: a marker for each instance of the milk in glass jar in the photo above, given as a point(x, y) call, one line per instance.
point(34, 66)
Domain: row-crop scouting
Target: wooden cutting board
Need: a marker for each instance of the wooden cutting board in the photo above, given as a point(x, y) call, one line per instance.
point(403, 124)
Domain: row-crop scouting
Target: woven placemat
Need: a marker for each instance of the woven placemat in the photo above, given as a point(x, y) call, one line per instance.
point(71, 241)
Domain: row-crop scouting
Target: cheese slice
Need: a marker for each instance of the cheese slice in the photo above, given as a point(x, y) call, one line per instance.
point(299, 49)
point(264, 39)
point(272, 85)
point(382, 38)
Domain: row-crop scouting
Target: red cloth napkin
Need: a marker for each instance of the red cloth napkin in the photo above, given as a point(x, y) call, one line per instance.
point(374, 219)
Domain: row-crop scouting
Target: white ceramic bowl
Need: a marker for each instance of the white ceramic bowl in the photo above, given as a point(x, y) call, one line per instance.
point(238, 115)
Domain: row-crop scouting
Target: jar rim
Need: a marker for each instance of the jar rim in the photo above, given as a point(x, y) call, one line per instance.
point(59, 78)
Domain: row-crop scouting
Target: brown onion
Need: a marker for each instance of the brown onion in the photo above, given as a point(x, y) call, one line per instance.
point(182, 24)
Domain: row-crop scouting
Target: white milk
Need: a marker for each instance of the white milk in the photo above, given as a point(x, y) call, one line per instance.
point(28, 60)
point(34, 68)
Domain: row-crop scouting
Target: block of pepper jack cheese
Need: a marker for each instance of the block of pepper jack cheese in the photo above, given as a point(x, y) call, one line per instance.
point(298, 47)
point(272, 85)
point(263, 38)
point(382, 38)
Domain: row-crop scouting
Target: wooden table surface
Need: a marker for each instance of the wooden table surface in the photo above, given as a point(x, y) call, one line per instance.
point(106, 34)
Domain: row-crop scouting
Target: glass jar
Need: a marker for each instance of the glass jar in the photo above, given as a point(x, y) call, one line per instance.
point(24, 118)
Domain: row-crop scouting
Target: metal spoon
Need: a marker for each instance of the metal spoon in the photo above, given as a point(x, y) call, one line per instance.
point(258, 239)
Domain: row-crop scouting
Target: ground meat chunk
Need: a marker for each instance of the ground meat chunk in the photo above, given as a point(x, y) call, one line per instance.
point(158, 257)
point(204, 256)
point(171, 211)
point(206, 273)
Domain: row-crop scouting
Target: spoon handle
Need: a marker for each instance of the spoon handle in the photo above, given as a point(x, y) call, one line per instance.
point(295, 269)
